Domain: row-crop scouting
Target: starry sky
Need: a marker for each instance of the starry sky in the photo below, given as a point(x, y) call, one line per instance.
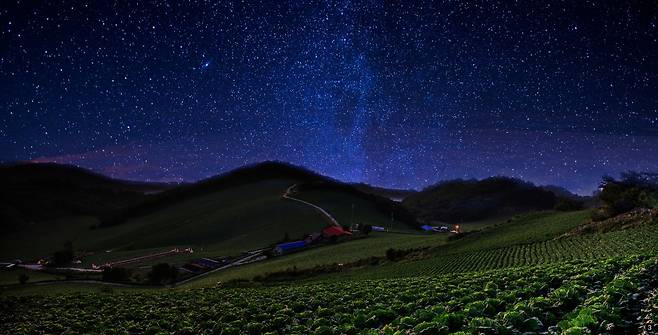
point(393, 93)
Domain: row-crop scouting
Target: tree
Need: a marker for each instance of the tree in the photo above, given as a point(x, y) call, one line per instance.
point(63, 257)
point(116, 275)
point(565, 205)
point(23, 278)
point(633, 190)
point(391, 254)
point(163, 273)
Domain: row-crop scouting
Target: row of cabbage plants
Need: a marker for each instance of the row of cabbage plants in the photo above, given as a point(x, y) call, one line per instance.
point(514, 300)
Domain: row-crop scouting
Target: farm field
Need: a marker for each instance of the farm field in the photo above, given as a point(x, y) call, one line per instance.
point(589, 247)
point(574, 297)
point(522, 229)
point(514, 276)
point(374, 245)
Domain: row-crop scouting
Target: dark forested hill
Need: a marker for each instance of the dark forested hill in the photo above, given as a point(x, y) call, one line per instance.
point(468, 200)
point(35, 192)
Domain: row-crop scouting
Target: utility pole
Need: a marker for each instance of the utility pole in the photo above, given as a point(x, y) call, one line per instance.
point(391, 224)
point(352, 218)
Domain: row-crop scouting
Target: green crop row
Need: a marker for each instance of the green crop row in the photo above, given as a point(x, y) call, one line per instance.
point(587, 247)
point(649, 313)
point(507, 301)
point(613, 309)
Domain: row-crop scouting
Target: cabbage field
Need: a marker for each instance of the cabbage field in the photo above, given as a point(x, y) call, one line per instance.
point(573, 297)
point(641, 241)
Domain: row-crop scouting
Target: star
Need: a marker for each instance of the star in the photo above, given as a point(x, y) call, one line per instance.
point(393, 94)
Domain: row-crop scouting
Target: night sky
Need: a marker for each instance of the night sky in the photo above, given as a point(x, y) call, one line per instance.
point(393, 93)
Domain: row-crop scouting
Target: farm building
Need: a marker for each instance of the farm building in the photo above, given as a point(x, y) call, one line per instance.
point(436, 229)
point(288, 247)
point(334, 231)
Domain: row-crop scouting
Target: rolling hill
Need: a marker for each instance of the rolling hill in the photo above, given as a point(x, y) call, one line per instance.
point(227, 214)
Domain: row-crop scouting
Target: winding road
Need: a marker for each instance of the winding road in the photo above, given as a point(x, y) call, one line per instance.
point(291, 190)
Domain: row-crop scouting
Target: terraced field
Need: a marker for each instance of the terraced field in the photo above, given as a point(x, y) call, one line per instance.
point(587, 247)
point(575, 297)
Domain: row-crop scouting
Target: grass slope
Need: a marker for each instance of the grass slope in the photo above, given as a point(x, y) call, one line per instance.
point(348, 208)
point(227, 221)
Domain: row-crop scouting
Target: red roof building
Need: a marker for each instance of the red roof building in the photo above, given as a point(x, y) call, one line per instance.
point(334, 231)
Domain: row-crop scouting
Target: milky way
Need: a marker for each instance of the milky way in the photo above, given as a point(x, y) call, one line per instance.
point(398, 94)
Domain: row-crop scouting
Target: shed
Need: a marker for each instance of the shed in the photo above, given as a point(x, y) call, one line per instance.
point(426, 227)
point(290, 246)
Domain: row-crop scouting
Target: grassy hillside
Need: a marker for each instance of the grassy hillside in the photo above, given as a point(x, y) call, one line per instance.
point(40, 239)
point(306, 181)
point(227, 221)
point(242, 176)
point(247, 216)
point(522, 229)
point(234, 212)
point(350, 206)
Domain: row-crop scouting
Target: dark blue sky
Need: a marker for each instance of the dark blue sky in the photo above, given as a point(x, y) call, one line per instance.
point(399, 94)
